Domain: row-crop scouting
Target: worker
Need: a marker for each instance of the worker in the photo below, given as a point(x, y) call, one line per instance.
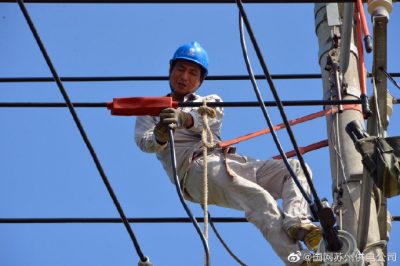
point(235, 181)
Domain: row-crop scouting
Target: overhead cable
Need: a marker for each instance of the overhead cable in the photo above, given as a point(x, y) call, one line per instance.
point(186, 104)
point(236, 258)
point(82, 131)
point(280, 106)
point(266, 115)
point(390, 77)
point(144, 220)
point(165, 78)
point(203, 239)
point(324, 213)
point(175, 1)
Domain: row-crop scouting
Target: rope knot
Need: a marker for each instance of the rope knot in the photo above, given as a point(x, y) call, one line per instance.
point(208, 111)
point(206, 134)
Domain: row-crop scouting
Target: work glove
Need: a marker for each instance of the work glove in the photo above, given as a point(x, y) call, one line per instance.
point(176, 117)
point(161, 133)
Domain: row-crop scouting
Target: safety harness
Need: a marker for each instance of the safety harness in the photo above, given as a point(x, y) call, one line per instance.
point(381, 158)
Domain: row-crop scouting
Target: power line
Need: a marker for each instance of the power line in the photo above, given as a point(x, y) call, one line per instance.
point(117, 220)
point(155, 78)
point(224, 244)
point(242, 17)
point(81, 130)
point(324, 214)
point(164, 78)
point(178, 1)
point(390, 77)
point(145, 220)
point(185, 104)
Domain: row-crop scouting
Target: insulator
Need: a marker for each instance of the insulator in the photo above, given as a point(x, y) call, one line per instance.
point(380, 7)
point(145, 263)
point(349, 254)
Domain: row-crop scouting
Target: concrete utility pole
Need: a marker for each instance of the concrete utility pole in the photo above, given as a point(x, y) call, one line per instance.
point(337, 56)
point(378, 123)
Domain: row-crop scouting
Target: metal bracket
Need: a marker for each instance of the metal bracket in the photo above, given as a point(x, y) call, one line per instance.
point(335, 77)
point(332, 13)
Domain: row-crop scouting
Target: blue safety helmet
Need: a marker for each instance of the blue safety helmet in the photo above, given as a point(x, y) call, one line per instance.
point(192, 52)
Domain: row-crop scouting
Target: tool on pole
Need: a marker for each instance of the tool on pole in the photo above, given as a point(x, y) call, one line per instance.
point(380, 157)
point(356, 130)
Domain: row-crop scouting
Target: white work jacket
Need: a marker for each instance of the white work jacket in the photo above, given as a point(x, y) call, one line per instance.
point(187, 141)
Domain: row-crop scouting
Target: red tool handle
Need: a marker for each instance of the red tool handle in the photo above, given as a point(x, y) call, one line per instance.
point(131, 106)
point(367, 38)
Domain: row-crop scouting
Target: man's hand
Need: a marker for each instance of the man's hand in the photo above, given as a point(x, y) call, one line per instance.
point(161, 133)
point(173, 118)
point(177, 117)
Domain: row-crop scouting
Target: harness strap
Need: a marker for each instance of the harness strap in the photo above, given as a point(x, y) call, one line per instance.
point(295, 121)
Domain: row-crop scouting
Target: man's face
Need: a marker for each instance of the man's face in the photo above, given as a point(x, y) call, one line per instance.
point(185, 78)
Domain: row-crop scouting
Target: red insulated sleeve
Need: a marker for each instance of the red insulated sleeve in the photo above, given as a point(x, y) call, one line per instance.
point(137, 106)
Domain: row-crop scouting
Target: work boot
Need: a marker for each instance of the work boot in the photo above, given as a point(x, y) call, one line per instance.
point(309, 233)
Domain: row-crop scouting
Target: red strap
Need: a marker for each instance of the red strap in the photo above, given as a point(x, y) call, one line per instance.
point(295, 121)
point(303, 150)
point(140, 105)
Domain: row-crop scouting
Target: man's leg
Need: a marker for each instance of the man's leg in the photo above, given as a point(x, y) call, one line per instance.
point(274, 177)
point(242, 194)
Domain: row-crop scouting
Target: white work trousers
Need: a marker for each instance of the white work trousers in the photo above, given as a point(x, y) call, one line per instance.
point(254, 189)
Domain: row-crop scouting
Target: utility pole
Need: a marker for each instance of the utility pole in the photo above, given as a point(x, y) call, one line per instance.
point(340, 75)
point(382, 109)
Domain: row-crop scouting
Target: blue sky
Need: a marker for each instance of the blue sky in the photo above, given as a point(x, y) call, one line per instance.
point(46, 170)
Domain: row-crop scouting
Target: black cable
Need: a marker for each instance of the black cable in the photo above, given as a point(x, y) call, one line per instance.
point(153, 78)
point(186, 104)
point(179, 191)
point(131, 220)
point(390, 78)
point(279, 103)
point(322, 212)
point(211, 222)
point(164, 78)
point(266, 115)
point(117, 220)
point(177, 1)
point(81, 130)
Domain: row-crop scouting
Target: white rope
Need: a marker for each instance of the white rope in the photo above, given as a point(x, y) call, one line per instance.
point(208, 142)
point(378, 115)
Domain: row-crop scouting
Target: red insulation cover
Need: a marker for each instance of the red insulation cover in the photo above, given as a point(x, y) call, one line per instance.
point(135, 106)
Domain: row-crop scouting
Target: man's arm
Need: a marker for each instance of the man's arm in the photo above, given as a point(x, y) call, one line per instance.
point(144, 135)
